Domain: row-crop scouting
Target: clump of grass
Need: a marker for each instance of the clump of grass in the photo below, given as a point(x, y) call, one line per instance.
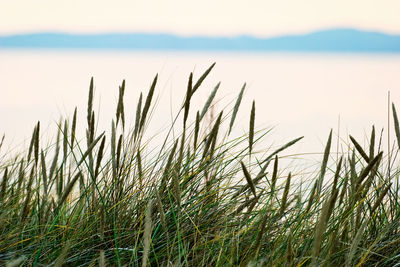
point(206, 198)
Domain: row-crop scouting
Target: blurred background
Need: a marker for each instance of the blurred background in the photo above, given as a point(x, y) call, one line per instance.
point(311, 66)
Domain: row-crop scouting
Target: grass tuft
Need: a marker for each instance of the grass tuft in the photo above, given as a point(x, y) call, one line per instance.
point(108, 200)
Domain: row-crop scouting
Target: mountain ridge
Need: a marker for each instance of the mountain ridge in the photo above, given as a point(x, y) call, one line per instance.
point(331, 40)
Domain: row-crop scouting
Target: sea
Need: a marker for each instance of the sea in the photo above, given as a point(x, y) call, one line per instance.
point(295, 94)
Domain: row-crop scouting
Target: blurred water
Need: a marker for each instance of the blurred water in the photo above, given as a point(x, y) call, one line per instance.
point(298, 94)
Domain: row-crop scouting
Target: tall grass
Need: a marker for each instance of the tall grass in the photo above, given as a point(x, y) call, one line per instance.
point(204, 199)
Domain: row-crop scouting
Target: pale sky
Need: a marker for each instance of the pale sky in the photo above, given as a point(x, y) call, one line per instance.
point(201, 17)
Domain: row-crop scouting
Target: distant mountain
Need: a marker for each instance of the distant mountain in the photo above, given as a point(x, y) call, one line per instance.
point(334, 40)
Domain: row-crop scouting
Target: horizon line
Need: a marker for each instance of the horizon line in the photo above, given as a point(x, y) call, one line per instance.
point(194, 35)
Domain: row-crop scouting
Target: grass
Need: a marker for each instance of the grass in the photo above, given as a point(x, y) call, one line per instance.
point(204, 199)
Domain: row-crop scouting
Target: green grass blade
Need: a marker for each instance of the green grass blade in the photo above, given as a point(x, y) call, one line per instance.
point(236, 107)
point(209, 101)
point(396, 124)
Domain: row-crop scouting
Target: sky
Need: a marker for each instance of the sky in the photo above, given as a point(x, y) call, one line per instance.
point(206, 17)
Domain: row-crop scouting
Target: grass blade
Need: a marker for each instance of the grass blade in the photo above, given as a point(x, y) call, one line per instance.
point(251, 131)
point(289, 144)
point(73, 128)
point(285, 195)
point(89, 150)
point(248, 179)
point(120, 106)
point(147, 103)
point(90, 101)
point(187, 100)
point(68, 190)
point(202, 78)
point(359, 149)
point(36, 143)
point(236, 107)
point(372, 143)
point(137, 120)
point(209, 101)
point(396, 124)
point(147, 233)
